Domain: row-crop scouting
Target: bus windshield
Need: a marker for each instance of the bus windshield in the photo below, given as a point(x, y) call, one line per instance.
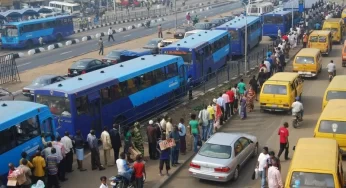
point(234, 35)
point(57, 105)
point(187, 57)
point(310, 179)
point(273, 19)
point(338, 127)
point(11, 31)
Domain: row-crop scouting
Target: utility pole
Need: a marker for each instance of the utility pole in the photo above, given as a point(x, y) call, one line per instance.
point(176, 15)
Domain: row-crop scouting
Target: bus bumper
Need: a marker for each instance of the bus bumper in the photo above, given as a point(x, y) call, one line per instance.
point(13, 46)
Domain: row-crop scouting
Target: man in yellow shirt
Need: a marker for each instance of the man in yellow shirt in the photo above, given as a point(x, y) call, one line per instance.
point(211, 112)
point(39, 167)
point(24, 156)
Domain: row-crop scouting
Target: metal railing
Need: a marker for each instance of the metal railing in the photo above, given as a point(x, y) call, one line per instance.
point(8, 69)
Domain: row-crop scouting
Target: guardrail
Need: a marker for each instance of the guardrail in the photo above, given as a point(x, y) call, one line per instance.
point(8, 69)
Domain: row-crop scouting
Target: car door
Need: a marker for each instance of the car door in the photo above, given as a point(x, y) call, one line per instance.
point(91, 66)
point(247, 147)
point(99, 64)
point(238, 152)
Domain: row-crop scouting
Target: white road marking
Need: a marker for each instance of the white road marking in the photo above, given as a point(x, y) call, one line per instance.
point(127, 35)
point(23, 64)
point(65, 52)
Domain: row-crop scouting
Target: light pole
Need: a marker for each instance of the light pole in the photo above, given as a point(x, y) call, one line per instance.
point(176, 15)
point(292, 13)
point(245, 67)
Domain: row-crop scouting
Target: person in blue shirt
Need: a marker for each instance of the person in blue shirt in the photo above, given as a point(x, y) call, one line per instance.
point(270, 60)
point(164, 156)
point(317, 26)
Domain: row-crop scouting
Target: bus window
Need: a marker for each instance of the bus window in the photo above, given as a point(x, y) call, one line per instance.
point(172, 70)
point(47, 127)
point(57, 105)
point(234, 35)
point(27, 130)
point(159, 75)
point(7, 139)
point(273, 20)
point(82, 105)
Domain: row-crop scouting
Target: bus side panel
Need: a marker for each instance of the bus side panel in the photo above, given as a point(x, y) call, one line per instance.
point(255, 38)
point(271, 30)
point(219, 57)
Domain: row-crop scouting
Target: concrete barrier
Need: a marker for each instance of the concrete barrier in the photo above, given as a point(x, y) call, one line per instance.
point(120, 29)
point(97, 35)
point(18, 55)
point(68, 43)
point(51, 47)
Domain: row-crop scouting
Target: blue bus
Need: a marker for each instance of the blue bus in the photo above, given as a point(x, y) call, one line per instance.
point(26, 33)
point(203, 52)
point(280, 19)
point(21, 126)
point(121, 93)
point(236, 27)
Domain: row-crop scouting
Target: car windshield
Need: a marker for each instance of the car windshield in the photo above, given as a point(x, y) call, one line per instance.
point(82, 64)
point(304, 60)
point(187, 57)
point(11, 31)
point(311, 180)
point(57, 105)
point(40, 81)
point(273, 19)
point(153, 43)
point(275, 89)
point(336, 95)
point(216, 151)
point(338, 127)
point(234, 35)
point(114, 54)
point(322, 39)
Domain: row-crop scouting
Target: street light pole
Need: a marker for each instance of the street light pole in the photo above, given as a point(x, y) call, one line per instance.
point(292, 13)
point(176, 15)
point(245, 71)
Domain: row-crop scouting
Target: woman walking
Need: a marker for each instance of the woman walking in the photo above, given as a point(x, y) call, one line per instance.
point(242, 107)
point(250, 97)
point(194, 130)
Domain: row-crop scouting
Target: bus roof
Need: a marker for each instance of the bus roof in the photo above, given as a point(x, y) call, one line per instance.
point(308, 52)
point(64, 3)
point(335, 109)
point(319, 32)
point(238, 22)
point(10, 109)
point(338, 82)
point(283, 76)
point(278, 12)
point(38, 20)
point(197, 39)
point(315, 154)
point(121, 72)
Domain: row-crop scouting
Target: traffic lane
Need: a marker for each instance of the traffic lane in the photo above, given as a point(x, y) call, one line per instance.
point(67, 52)
point(267, 134)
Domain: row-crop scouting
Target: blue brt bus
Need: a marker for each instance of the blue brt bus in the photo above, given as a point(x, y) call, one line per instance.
point(21, 126)
point(26, 33)
point(236, 28)
point(203, 52)
point(280, 19)
point(122, 93)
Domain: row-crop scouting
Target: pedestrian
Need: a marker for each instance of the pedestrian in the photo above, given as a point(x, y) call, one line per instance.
point(138, 138)
point(164, 156)
point(284, 144)
point(305, 40)
point(221, 102)
point(272, 158)
point(231, 97)
point(211, 119)
point(159, 132)
point(103, 180)
point(139, 171)
point(39, 165)
point(52, 169)
point(24, 156)
point(279, 33)
point(175, 149)
point(268, 66)
point(204, 121)
point(89, 21)
point(242, 107)
point(171, 5)
point(123, 167)
point(40, 41)
point(47, 151)
point(254, 85)
point(100, 44)
point(27, 171)
point(115, 140)
point(261, 77)
point(273, 63)
point(110, 34)
point(188, 18)
point(79, 145)
point(241, 87)
point(106, 145)
point(169, 127)
point(128, 141)
point(60, 148)
point(250, 97)
point(236, 97)
point(182, 135)
point(152, 140)
point(227, 108)
point(163, 123)
point(274, 176)
point(195, 131)
point(218, 115)
point(94, 150)
point(262, 165)
point(159, 30)
point(66, 140)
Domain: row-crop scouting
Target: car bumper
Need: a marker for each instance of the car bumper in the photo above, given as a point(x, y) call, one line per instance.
point(307, 74)
point(274, 109)
point(28, 94)
point(211, 176)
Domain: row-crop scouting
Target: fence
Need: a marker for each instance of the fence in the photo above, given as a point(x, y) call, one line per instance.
point(8, 69)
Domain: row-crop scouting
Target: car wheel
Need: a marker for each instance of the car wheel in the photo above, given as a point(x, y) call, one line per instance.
point(255, 151)
point(236, 174)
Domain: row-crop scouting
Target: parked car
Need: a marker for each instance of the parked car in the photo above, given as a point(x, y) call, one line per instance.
point(203, 26)
point(85, 65)
point(217, 22)
point(223, 155)
point(6, 95)
point(153, 45)
point(39, 82)
point(180, 31)
point(113, 57)
point(227, 18)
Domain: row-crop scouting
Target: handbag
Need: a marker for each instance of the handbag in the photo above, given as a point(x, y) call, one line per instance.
point(199, 142)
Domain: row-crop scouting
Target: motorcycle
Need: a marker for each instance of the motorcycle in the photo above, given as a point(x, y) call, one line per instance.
point(331, 75)
point(147, 24)
point(297, 119)
point(121, 182)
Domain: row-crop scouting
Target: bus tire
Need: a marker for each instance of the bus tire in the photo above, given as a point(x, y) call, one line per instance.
point(58, 37)
point(29, 44)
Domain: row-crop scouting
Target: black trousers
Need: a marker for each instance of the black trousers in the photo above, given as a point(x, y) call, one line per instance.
point(152, 150)
point(283, 146)
point(69, 161)
point(110, 37)
point(222, 116)
point(101, 51)
point(53, 181)
point(61, 169)
point(304, 44)
point(95, 158)
point(116, 154)
point(231, 108)
point(227, 111)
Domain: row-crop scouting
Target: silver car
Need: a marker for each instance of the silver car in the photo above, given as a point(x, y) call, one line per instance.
point(6, 95)
point(39, 82)
point(223, 155)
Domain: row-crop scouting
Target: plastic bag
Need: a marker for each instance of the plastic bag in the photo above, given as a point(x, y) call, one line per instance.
point(39, 184)
point(255, 174)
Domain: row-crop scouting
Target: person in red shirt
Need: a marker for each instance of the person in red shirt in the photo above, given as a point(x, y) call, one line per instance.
point(284, 145)
point(230, 94)
point(285, 37)
point(139, 169)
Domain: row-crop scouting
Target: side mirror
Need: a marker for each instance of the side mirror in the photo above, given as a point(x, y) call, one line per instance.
point(294, 148)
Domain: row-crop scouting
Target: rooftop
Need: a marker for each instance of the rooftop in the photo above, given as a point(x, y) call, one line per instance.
point(335, 109)
point(283, 76)
point(222, 138)
point(239, 22)
point(338, 82)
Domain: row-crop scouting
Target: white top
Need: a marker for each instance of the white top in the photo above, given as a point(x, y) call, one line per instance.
point(182, 128)
point(331, 67)
point(163, 124)
point(67, 143)
point(262, 161)
point(267, 63)
point(298, 30)
point(103, 186)
point(169, 128)
point(110, 31)
point(204, 116)
point(297, 107)
point(121, 163)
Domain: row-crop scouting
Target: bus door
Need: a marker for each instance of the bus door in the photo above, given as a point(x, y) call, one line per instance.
point(182, 80)
point(95, 111)
point(47, 127)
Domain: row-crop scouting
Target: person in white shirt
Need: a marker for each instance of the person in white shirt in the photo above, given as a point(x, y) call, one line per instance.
point(103, 180)
point(204, 118)
point(279, 33)
point(169, 127)
point(268, 65)
point(331, 68)
point(262, 165)
point(110, 34)
point(163, 123)
point(123, 168)
point(67, 142)
point(297, 107)
point(274, 176)
point(106, 144)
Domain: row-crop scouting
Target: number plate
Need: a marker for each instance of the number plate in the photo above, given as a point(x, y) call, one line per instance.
point(180, 35)
point(75, 72)
point(274, 106)
point(108, 61)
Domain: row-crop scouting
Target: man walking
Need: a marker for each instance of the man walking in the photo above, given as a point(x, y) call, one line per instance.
point(262, 165)
point(137, 138)
point(182, 135)
point(231, 97)
point(66, 140)
point(79, 145)
point(159, 30)
point(60, 150)
point(115, 141)
point(284, 145)
point(152, 140)
point(211, 112)
point(175, 149)
point(52, 169)
point(274, 176)
point(106, 145)
point(100, 43)
point(110, 34)
point(225, 97)
point(221, 102)
point(95, 153)
point(204, 119)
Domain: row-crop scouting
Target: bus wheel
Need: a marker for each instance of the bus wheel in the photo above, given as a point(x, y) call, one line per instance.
point(59, 37)
point(29, 44)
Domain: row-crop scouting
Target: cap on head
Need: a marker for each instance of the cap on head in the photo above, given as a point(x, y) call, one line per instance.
point(151, 122)
point(214, 100)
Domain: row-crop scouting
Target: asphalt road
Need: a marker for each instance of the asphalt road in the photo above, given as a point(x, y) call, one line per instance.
point(265, 126)
point(30, 62)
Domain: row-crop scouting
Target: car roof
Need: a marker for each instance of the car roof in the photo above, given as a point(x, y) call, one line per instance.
point(338, 83)
point(308, 52)
point(335, 109)
point(48, 76)
point(283, 77)
point(155, 39)
point(222, 138)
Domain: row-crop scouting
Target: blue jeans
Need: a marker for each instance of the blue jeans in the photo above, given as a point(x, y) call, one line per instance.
point(205, 132)
point(127, 174)
point(263, 178)
point(175, 155)
point(195, 140)
point(210, 128)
